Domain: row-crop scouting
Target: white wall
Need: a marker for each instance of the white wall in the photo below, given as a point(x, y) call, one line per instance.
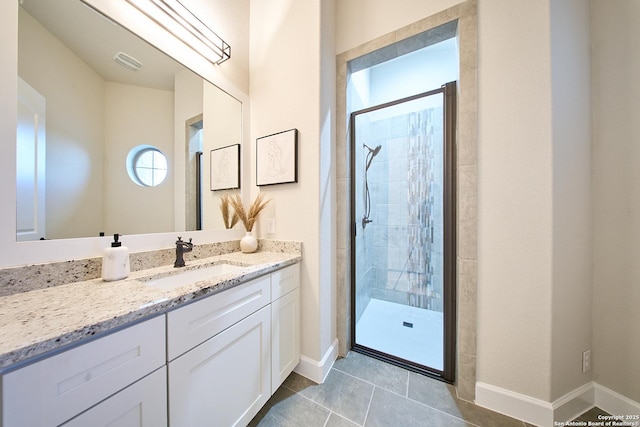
point(291, 89)
point(616, 195)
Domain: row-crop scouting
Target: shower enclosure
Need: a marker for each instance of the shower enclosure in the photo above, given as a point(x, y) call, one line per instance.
point(403, 217)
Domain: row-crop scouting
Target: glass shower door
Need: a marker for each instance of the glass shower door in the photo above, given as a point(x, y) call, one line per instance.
point(403, 243)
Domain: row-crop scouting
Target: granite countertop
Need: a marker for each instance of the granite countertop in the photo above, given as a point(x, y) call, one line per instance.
point(40, 321)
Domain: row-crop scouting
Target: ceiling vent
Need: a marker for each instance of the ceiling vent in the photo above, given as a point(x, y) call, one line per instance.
point(127, 61)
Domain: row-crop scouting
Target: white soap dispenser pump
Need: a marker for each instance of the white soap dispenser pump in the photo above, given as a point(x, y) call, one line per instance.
point(115, 262)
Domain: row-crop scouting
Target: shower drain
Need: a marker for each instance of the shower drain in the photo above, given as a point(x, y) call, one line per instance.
point(407, 324)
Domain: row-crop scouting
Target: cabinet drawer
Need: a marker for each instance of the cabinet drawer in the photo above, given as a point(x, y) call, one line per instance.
point(191, 325)
point(142, 404)
point(51, 391)
point(284, 281)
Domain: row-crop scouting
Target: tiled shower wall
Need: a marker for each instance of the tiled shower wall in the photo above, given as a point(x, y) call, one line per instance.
point(400, 256)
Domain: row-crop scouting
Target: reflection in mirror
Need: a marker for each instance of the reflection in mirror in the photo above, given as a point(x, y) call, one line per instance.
point(83, 107)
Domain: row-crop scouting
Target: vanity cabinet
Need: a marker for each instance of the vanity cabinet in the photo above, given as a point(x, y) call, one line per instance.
point(109, 371)
point(215, 361)
point(240, 345)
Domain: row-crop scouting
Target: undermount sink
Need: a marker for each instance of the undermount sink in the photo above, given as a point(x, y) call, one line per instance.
point(187, 277)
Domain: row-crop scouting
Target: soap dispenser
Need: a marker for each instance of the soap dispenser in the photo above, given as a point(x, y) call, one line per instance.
point(115, 262)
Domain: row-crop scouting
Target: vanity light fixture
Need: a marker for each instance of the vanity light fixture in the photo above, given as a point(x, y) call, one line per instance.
point(183, 24)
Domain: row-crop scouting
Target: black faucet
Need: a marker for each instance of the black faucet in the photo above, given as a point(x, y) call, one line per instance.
point(181, 248)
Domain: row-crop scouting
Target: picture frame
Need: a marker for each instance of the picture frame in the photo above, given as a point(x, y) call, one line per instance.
point(224, 171)
point(277, 158)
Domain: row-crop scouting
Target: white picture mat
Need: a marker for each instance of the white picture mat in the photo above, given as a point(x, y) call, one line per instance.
point(276, 161)
point(225, 168)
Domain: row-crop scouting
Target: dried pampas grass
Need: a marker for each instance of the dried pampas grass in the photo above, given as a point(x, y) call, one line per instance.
point(230, 219)
point(249, 217)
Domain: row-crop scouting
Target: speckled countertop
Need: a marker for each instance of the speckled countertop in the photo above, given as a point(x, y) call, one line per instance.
point(39, 321)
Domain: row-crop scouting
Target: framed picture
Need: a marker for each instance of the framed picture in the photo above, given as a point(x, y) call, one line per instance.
point(277, 158)
point(225, 168)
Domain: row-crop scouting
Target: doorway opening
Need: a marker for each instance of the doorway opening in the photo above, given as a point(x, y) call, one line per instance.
point(403, 204)
point(193, 168)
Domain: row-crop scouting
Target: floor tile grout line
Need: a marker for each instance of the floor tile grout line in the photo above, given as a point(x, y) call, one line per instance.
point(345, 418)
point(367, 382)
point(319, 404)
point(327, 420)
point(443, 412)
point(404, 397)
point(408, 379)
point(366, 414)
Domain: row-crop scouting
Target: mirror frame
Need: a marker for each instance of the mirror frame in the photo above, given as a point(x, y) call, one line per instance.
point(13, 253)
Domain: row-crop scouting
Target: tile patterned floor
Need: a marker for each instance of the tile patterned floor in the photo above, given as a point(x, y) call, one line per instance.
point(362, 391)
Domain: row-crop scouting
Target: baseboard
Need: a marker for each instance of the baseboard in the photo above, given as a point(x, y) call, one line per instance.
point(566, 408)
point(315, 370)
point(574, 403)
point(614, 403)
point(515, 405)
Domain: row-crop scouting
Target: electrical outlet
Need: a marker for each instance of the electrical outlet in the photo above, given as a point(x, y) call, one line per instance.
point(586, 361)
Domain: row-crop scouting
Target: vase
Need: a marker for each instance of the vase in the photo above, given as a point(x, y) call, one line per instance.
point(248, 243)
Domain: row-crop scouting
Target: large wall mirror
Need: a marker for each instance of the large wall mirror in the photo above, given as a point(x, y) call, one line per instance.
point(83, 111)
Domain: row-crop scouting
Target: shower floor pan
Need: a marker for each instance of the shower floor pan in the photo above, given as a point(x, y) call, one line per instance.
point(382, 327)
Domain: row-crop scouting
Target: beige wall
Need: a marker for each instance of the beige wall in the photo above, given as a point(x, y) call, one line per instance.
point(360, 21)
point(135, 115)
point(514, 190)
point(291, 88)
point(616, 195)
point(188, 97)
point(281, 70)
point(572, 295)
point(74, 96)
point(222, 127)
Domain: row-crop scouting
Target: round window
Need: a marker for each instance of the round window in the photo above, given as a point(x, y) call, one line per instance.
point(147, 166)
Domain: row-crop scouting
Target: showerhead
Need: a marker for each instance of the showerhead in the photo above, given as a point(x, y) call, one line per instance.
point(374, 151)
point(371, 154)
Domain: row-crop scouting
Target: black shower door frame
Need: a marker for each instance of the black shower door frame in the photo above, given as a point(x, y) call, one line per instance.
point(447, 374)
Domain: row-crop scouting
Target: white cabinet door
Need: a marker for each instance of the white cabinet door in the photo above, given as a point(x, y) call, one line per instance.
point(225, 380)
point(285, 337)
point(142, 404)
point(53, 390)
